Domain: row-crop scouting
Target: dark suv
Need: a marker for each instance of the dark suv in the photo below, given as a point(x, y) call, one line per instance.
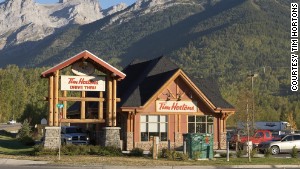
point(74, 135)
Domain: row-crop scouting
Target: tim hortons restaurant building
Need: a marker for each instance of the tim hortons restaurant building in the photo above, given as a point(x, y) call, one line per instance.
point(126, 108)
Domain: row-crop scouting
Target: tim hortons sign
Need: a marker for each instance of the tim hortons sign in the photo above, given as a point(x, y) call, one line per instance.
point(83, 83)
point(175, 106)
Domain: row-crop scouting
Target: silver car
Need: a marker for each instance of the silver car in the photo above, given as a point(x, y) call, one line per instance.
point(73, 135)
point(286, 144)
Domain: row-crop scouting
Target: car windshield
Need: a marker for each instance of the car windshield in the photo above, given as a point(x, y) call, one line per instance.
point(74, 130)
point(287, 138)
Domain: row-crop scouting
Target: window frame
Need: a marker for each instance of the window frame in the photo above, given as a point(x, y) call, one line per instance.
point(159, 123)
point(207, 123)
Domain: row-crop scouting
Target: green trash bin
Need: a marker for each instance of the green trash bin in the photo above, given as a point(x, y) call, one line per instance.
point(199, 145)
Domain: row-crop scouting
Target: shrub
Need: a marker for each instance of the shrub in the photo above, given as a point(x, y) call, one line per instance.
point(183, 157)
point(94, 150)
point(24, 130)
point(137, 152)
point(112, 151)
point(253, 152)
point(24, 135)
point(168, 155)
point(163, 153)
point(174, 155)
point(72, 149)
point(294, 152)
point(268, 153)
point(239, 153)
point(225, 155)
point(40, 150)
point(196, 155)
point(27, 140)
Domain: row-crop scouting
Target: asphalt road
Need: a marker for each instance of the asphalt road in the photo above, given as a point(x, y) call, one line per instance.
point(10, 127)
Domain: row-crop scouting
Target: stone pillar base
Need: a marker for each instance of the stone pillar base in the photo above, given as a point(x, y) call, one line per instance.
point(129, 141)
point(52, 137)
point(111, 137)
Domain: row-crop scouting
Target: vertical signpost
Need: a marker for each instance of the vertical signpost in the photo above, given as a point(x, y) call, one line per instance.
point(60, 106)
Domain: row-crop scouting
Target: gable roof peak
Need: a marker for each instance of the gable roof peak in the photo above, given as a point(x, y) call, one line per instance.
point(87, 56)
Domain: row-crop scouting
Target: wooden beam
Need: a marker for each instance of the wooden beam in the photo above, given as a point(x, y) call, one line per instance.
point(179, 123)
point(128, 121)
point(114, 103)
point(56, 87)
point(82, 121)
point(82, 109)
point(100, 106)
point(64, 115)
point(132, 122)
point(50, 101)
point(109, 102)
point(92, 99)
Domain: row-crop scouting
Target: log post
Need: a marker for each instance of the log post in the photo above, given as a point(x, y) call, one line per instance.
point(64, 116)
point(82, 109)
point(109, 102)
point(56, 87)
point(114, 103)
point(100, 106)
point(50, 101)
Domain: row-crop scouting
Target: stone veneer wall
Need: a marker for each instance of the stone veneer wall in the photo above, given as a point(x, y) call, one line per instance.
point(178, 141)
point(148, 145)
point(111, 136)
point(52, 137)
point(129, 141)
point(223, 141)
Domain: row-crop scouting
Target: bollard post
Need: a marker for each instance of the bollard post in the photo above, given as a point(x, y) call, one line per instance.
point(184, 147)
point(227, 152)
point(155, 147)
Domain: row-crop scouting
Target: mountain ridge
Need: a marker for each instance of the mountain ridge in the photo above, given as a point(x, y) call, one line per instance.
point(25, 20)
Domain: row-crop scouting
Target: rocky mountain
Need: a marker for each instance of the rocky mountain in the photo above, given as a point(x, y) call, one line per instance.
point(25, 26)
point(25, 20)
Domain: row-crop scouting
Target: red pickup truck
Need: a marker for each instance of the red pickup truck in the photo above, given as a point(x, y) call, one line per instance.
point(258, 137)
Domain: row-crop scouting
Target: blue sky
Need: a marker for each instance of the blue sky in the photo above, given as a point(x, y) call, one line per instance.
point(104, 3)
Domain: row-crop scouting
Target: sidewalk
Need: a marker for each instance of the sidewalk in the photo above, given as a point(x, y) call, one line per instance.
point(6, 161)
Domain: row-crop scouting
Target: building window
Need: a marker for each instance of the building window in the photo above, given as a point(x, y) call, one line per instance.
point(154, 125)
point(200, 124)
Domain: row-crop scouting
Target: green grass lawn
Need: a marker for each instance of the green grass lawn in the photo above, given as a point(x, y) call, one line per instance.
point(11, 146)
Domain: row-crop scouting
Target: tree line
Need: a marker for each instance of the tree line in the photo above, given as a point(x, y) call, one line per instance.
point(22, 93)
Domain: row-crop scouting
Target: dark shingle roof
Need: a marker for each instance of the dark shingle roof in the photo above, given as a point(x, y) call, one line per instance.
point(143, 79)
point(210, 89)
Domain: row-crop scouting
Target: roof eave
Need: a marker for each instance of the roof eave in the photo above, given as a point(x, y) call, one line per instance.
point(84, 54)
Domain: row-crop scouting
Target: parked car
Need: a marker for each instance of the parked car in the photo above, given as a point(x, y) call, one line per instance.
point(74, 135)
point(286, 144)
point(11, 122)
point(258, 137)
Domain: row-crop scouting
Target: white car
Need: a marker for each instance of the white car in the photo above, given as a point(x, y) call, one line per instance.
point(286, 144)
point(11, 122)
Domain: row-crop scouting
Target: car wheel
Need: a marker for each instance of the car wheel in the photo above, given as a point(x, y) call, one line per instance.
point(275, 150)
